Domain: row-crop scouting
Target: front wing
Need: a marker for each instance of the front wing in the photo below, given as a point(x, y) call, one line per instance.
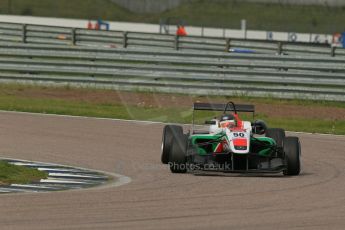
point(235, 163)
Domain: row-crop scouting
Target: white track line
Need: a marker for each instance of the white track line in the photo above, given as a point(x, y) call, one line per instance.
point(31, 164)
point(62, 181)
point(82, 117)
point(17, 190)
point(32, 186)
point(134, 121)
point(76, 175)
point(62, 170)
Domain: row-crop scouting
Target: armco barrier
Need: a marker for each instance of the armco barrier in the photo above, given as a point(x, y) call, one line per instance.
point(10, 32)
point(199, 73)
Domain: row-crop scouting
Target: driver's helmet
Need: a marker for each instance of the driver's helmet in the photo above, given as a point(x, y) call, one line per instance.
point(227, 120)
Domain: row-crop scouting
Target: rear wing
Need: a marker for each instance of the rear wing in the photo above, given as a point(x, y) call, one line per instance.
point(222, 107)
point(230, 106)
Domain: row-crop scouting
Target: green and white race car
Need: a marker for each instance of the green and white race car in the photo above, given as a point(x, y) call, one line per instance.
point(230, 145)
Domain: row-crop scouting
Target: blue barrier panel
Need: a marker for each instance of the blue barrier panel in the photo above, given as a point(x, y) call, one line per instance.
point(236, 50)
point(102, 24)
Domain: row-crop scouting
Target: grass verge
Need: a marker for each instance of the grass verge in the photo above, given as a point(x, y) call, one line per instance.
point(14, 174)
point(103, 103)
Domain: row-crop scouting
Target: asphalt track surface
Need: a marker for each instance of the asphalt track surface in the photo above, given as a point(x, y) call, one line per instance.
point(157, 199)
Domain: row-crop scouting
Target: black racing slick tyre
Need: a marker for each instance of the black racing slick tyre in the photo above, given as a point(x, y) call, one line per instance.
point(277, 135)
point(169, 132)
point(177, 156)
point(292, 151)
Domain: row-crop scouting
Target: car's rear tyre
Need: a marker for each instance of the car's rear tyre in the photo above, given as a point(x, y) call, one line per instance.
point(177, 156)
point(277, 135)
point(292, 152)
point(169, 132)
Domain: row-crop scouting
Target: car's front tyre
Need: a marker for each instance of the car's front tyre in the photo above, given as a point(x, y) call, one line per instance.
point(169, 132)
point(277, 135)
point(292, 152)
point(177, 156)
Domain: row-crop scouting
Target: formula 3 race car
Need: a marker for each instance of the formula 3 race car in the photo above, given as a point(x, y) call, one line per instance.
point(230, 145)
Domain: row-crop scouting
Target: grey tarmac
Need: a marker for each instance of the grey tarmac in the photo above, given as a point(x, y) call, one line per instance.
point(155, 198)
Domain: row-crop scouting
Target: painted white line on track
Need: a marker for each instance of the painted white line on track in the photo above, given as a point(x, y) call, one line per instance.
point(38, 186)
point(134, 121)
point(31, 164)
point(61, 170)
point(8, 189)
point(76, 175)
point(82, 117)
point(58, 181)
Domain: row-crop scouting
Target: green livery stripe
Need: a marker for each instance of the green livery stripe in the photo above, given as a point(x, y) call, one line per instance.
point(204, 149)
point(199, 139)
point(267, 140)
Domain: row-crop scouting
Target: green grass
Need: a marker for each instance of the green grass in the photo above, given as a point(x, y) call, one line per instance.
point(227, 14)
point(14, 102)
point(13, 174)
point(277, 101)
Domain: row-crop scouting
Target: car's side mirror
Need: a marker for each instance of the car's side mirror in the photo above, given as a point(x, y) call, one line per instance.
point(259, 127)
point(212, 122)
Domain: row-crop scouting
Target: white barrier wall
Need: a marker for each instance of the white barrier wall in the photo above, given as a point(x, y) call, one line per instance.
point(155, 28)
point(78, 23)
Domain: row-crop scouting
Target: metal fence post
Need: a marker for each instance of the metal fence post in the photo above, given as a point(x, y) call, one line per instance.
point(176, 42)
point(333, 51)
point(24, 33)
point(280, 48)
point(227, 45)
point(125, 39)
point(73, 36)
